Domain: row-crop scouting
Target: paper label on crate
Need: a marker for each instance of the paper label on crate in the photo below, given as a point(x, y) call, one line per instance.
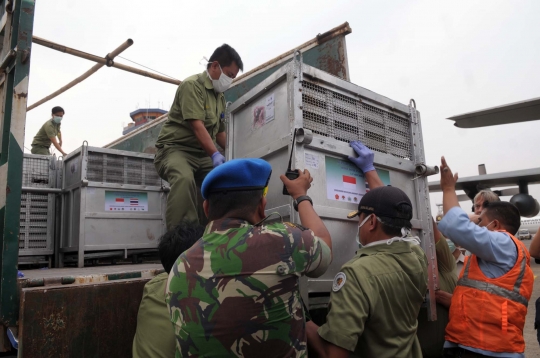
point(263, 112)
point(311, 160)
point(126, 201)
point(346, 182)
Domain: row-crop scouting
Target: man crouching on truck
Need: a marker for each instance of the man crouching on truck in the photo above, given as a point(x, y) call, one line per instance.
point(187, 142)
point(377, 295)
point(235, 292)
point(48, 133)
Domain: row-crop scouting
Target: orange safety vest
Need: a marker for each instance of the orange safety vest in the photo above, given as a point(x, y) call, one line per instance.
point(489, 313)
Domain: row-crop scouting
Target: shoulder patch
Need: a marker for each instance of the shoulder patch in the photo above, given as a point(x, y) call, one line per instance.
point(339, 281)
point(298, 226)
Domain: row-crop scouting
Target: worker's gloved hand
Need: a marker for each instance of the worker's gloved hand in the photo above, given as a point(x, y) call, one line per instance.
point(217, 159)
point(365, 156)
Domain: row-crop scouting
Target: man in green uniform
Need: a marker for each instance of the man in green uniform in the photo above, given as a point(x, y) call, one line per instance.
point(155, 335)
point(48, 134)
point(377, 295)
point(235, 292)
point(187, 142)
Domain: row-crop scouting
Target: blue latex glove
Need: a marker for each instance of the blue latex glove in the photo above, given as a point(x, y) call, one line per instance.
point(365, 156)
point(217, 159)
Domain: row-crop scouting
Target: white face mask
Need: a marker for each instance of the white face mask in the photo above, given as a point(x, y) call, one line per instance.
point(223, 83)
point(358, 232)
point(57, 119)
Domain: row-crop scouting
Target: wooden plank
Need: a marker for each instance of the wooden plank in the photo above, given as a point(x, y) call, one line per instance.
point(90, 320)
point(91, 270)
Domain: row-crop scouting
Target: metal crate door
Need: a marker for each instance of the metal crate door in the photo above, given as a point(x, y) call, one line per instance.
point(36, 231)
point(36, 224)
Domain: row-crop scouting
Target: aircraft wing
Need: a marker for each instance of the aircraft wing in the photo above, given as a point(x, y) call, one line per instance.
point(523, 111)
point(472, 185)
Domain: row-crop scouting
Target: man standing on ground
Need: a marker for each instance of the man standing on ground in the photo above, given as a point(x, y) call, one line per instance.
point(235, 292)
point(187, 142)
point(430, 334)
point(489, 304)
point(48, 134)
point(377, 295)
point(482, 198)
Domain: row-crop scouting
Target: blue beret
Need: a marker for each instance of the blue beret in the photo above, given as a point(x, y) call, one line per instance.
point(237, 174)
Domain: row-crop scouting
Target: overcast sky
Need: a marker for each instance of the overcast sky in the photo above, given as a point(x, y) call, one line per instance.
point(451, 57)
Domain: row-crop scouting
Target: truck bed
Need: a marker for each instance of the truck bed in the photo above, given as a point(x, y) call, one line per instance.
point(90, 311)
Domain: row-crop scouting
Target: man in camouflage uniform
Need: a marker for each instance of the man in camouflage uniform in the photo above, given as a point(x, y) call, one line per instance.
point(235, 291)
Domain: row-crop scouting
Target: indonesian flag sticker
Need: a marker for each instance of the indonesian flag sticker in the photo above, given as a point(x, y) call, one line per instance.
point(339, 281)
point(349, 182)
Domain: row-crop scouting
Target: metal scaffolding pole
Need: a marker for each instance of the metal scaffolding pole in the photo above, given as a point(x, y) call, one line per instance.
point(108, 63)
point(94, 69)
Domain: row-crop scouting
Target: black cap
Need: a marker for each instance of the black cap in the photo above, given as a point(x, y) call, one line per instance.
point(384, 201)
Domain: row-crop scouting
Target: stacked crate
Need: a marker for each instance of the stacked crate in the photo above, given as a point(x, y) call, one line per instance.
point(36, 230)
point(113, 202)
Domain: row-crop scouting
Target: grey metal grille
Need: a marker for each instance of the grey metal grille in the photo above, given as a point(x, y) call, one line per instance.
point(337, 116)
point(33, 221)
point(36, 172)
point(119, 169)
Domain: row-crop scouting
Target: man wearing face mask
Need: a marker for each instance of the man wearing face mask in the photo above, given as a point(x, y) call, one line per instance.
point(489, 304)
point(377, 295)
point(48, 133)
point(186, 146)
point(430, 334)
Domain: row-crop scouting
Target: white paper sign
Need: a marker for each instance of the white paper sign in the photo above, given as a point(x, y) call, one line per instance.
point(312, 160)
point(269, 115)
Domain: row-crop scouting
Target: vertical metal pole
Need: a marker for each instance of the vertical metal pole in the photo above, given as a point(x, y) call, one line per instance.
point(59, 237)
point(81, 234)
point(296, 111)
point(229, 128)
point(424, 212)
point(82, 203)
point(13, 94)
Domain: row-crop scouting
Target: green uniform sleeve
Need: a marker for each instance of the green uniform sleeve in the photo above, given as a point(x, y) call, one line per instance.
point(191, 99)
point(348, 313)
point(50, 131)
point(221, 127)
point(445, 260)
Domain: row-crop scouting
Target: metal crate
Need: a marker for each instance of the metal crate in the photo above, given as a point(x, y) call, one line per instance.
point(328, 113)
point(36, 230)
point(112, 200)
point(39, 171)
